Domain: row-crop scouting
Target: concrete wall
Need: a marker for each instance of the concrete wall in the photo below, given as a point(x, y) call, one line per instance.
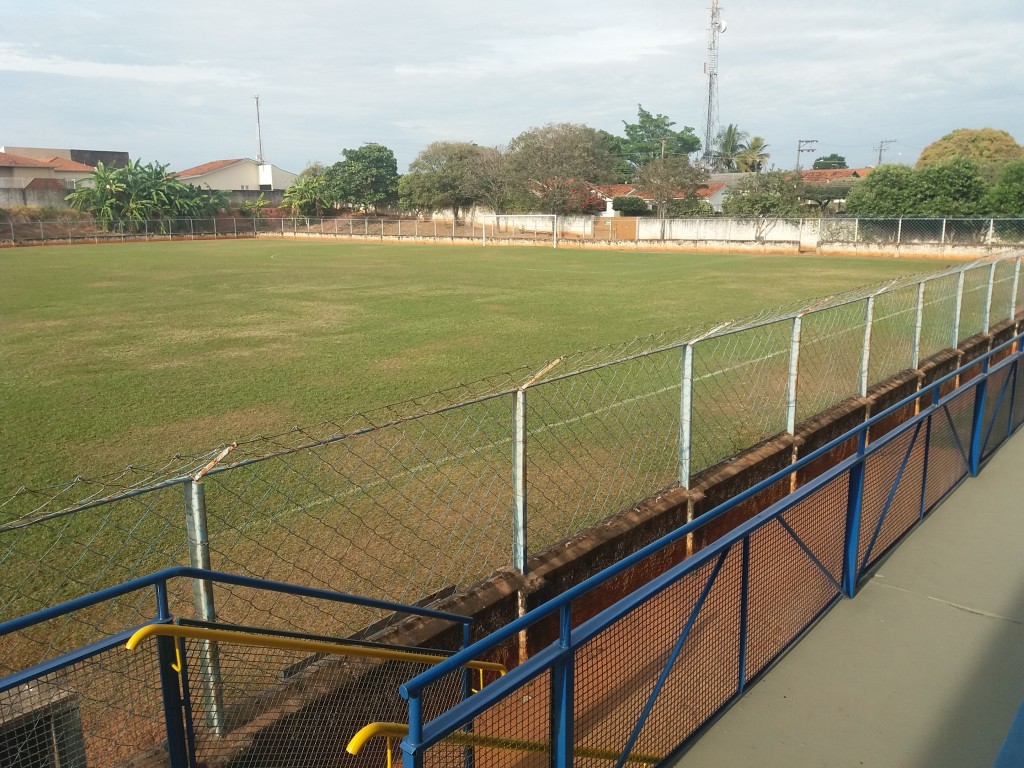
point(35, 198)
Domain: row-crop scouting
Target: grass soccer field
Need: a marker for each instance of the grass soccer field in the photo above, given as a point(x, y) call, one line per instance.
point(128, 353)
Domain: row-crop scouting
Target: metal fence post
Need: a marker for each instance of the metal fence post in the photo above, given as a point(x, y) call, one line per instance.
point(865, 353)
point(854, 506)
point(794, 368)
point(856, 230)
point(915, 358)
point(519, 542)
point(214, 226)
point(977, 426)
point(202, 598)
point(554, 231)
point(685, 418)
point(562, 699)
point(1016, 287)
point(959, 306)
point(942, 241)
point(988, 296)
point(899, 231)
point(991, 231)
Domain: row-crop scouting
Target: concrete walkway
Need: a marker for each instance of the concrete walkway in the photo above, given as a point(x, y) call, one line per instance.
point(924, 668)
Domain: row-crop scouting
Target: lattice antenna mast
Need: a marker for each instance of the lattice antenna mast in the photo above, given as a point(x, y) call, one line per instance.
point(715, 28)
point(259, 131)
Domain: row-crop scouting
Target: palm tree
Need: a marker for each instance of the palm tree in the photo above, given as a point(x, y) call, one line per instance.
point(753, 157)
point(728, 144)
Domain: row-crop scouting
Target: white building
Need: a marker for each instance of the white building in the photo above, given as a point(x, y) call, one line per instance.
point(237, 174)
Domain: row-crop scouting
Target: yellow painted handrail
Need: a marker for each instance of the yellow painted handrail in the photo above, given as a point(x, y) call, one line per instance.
point(298, 644)
point(470, 739)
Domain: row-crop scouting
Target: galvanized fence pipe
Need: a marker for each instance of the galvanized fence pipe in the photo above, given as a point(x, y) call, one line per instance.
point(519, 542)
point(918, 320)
point(988, 297)
point(959, 307)
point(686, 418)
point(202, 596)
point(794, 371)
point(865, 355)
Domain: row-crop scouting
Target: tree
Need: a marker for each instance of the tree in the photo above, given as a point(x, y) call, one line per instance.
point(753, 156)
point(492, 180)
point(366, 178)
point(1006, 198)
point(890, 190)
point(440, 178)
point(728, 144)
point(136, 193)
point(951, 188)
point(555, 161)
point(829, 162)
point(312, 192)
point(827, 194)
point(651, 137)
point(989, 148)
point(666, 179)
point(254, 208)
point(766, 194)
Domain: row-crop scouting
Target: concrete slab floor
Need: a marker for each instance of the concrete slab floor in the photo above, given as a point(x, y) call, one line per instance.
point(925, 667)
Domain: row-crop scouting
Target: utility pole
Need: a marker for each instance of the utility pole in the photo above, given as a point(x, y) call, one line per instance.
point(882, 144)
point(715, 28)
point(804, 145)
point(259, 130)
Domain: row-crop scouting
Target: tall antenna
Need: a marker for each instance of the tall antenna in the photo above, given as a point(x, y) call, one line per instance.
point(259, 130)
point(715, 28)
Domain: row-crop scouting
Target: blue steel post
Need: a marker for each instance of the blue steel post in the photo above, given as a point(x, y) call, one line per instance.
point(467, 690)
point(924, 466)
point(562, 715)
point(854, 506)
point(412, 751)
point(177, 747)
point(977, 428)
point(744, 604)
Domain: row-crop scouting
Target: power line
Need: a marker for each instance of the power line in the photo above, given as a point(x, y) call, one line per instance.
point(804, 145)
point(882, 144)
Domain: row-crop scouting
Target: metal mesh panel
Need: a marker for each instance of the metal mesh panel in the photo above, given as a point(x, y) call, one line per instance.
point(996, 421)
point(739, 391)
point(892, 333)
point(948, 443)
point(100, 711)
point(1002, 292)
point(399, 513)
point(68, 556)
point(524, 716)
point(831, 347)
point(972, 307)
point(937, 315)
point(902, 507)
point(600, 441)
point(1018, 396)
point(291, 708)
point(787, 589)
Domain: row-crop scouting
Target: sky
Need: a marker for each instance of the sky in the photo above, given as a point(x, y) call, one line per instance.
point(174, 82)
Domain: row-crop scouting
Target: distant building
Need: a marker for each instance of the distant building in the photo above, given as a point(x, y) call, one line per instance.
point(239, 174)
point(89, 157)
point(53, 172)
point(710, 193)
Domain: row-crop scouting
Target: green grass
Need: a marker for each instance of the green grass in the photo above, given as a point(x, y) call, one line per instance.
point(119, 354)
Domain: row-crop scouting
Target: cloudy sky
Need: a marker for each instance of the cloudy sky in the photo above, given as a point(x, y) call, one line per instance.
point(174, 82)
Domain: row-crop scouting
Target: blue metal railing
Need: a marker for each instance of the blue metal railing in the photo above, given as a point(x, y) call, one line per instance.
point(728, 611)
point(869, 501)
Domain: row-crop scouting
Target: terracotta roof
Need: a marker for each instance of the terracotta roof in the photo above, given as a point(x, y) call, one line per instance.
point(7, 160)
point(210, 167)
point(63, 164)
point(825, 175)
point(627, 190)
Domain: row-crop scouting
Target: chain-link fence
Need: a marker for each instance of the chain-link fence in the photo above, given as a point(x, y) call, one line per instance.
point(975, 235)
point(419, 500)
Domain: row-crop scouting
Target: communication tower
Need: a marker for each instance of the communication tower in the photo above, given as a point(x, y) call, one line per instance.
point(715, 28)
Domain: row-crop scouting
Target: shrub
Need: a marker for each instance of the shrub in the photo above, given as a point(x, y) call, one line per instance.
point(631, 206)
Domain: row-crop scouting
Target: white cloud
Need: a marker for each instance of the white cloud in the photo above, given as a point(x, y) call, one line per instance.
point(15, 58)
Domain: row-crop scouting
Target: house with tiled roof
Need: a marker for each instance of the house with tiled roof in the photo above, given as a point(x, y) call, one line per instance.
point(20, 172)
point(711, 192)
point(827, 188)
point(237, 174)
